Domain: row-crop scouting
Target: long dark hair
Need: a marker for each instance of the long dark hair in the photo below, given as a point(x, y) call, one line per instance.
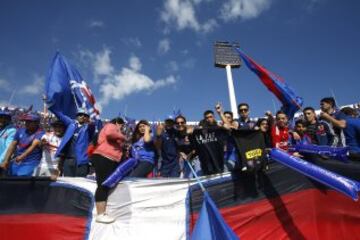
point(260, 120)
point(137, 135)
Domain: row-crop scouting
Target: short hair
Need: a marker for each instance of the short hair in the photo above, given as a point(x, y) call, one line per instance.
point(329, 100)
point(208, 112)
point(309, 109)
point(180, 116)
point(243, 104)
point(117, 120)
point(230, 113)
point(348, 111)
point(280, 112)
point(300, 121)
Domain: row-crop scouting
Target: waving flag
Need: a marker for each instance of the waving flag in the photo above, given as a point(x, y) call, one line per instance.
point(291, 102)
point(66, 91)
point(211, 225)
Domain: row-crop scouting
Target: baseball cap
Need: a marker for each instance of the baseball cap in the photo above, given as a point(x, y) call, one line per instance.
point(82, 111)
point(31, 117)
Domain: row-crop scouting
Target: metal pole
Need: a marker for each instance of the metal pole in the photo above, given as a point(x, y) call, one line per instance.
point(231, 92)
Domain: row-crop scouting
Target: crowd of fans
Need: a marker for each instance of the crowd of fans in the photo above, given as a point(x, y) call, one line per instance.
point(36, 145)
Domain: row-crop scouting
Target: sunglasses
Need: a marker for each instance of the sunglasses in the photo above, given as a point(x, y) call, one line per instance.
point(180, 123)
point(243, 110)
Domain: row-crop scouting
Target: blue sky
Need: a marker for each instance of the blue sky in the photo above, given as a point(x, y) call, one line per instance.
point(148, 57)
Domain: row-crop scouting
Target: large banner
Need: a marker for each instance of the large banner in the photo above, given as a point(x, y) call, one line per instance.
point(278, 203)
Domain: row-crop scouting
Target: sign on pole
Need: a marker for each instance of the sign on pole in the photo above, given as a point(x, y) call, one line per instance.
point(226, 57)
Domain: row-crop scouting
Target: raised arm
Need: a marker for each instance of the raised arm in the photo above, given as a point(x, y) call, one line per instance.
point(220, 112)
point(147, 134)
point(336, 123)
point(62, 117)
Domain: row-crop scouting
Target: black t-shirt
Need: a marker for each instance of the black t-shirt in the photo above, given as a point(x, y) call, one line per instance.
point(209, 144)
point(183, 143)
point(251, 146)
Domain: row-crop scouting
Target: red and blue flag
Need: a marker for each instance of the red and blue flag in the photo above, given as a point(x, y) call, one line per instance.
point(291, 102)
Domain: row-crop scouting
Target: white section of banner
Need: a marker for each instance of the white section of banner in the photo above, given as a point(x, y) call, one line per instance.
point(145, 209)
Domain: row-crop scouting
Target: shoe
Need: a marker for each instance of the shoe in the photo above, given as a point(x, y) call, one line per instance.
point(104, 218)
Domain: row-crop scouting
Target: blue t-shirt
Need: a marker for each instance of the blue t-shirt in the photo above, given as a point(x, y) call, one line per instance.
point(144, 151)
point(352, 134)
point(246, 124)
point(169, 147)
point(25, 140)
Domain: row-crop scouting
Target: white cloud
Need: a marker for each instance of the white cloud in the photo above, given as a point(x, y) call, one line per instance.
point(185, 52)
point(96, 24)
point(117, 84)
point(135, 63)
point(4, 85)
point(102, 63)
point(189, 63)
point(129, 81)
point(182, 14)
point(210, 25)
point(173, 66)
point(164, 46)
point(132, 41)
point(36, 87)
point(245, 9)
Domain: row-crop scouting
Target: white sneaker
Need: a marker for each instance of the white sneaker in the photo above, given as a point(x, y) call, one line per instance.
point(104, 218)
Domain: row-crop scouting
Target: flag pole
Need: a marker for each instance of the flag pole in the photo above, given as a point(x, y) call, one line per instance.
point(333, 95)
point(231, 91)
point(12, 96)
point(196, 176)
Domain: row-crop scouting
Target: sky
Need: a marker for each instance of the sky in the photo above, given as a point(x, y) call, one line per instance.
point(147, 58)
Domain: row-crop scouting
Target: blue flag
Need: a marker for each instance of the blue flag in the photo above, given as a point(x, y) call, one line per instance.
point(67, 92)
point(211, 225)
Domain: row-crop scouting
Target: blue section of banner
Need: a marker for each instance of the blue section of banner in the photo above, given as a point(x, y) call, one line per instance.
point(210, 224)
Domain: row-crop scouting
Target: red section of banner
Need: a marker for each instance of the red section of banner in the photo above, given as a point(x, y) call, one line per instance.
point(42, 227)
point(308, 214)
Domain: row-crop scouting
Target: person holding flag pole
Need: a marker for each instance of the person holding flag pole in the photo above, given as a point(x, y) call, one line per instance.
point(70, 99)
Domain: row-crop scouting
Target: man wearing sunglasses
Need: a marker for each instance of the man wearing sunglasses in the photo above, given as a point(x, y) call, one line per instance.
point(244, 120)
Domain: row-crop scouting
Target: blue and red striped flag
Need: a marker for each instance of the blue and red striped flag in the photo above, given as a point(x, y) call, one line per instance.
point(291, 102)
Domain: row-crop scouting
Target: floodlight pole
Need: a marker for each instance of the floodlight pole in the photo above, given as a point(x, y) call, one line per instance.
point(226, 57)
point(231, 91)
